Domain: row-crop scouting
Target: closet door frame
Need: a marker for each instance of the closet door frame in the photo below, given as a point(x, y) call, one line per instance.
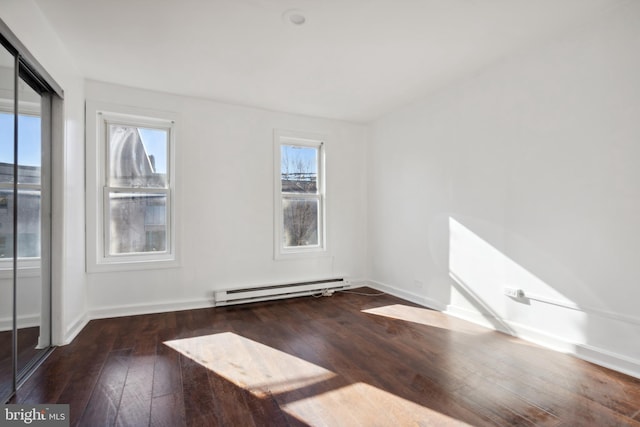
point(27, 69)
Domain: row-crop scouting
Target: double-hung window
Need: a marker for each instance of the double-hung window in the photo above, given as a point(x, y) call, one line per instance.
point(300, 193)
point(134, 196)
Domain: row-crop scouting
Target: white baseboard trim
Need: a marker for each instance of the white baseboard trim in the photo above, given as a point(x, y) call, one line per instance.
point(595, 355)
point(74, 328)
point(591, 354)
point(129, 310)
point(401, 293)
point(616, 362)
point(28, 321)
point(511, 328)
point(138, 309)
point(474, 317)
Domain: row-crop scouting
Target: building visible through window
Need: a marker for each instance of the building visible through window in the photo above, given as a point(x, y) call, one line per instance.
point(300, 193)
point(299, 177)
point(130, 201)
point(29, 178)
point(137, 189)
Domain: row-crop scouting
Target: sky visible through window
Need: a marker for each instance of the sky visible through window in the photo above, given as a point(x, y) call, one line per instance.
point(155, 142)
point(307, 155)
point(29, 153)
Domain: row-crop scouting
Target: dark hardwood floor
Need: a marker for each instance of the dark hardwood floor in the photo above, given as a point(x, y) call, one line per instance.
point(347, 360)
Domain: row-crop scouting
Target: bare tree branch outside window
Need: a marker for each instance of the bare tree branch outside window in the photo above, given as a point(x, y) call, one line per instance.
point(299, 173)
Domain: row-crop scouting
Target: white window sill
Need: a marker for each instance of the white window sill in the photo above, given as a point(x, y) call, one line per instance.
point(32, 269)
point(301, 254)
point(132, 265)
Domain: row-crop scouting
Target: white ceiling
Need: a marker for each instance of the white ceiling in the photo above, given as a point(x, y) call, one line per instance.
point(352, 60)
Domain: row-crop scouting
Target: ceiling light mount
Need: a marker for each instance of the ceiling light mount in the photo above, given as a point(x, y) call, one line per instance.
point(294, 17)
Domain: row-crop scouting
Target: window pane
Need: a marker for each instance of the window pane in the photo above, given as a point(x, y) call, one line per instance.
point(28, 223)
point(6, 147)
point(29, 137)
point(137, 156)
point(299, 169)
point(29, 155)
point(6, 224)
point(6, 172)
point(300, 222)
point(137, 223)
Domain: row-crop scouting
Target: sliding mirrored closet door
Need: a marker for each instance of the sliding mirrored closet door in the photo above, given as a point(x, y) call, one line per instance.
point(7, 79)
point(25, 279)
point(32, 323)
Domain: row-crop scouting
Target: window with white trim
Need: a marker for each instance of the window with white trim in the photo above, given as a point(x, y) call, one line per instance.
point(134, 207)
point(300, 193)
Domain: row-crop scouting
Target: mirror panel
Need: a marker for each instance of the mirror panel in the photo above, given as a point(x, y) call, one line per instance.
point(7, 77)
point(29, 276)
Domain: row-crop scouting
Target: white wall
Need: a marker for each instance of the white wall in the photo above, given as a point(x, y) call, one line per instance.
point(69, 300)
point(524, 175)
point(225, 212)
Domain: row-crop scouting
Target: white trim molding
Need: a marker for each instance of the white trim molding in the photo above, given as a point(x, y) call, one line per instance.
point(132, 310)
point(598, 356)
point(608, 359)
point(99, 188)
point(24, 321)
point(409, 296)
point(308, 140)
point(75, 328)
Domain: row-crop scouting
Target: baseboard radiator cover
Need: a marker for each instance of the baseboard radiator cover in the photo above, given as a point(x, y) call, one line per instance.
point(274, 292)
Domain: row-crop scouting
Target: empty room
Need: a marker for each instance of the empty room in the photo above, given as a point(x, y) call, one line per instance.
point(320, 213)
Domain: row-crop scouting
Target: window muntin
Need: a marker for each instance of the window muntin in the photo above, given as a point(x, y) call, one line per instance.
point(300, 194)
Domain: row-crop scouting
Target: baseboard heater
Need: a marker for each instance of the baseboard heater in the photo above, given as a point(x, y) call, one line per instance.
point(272, 292)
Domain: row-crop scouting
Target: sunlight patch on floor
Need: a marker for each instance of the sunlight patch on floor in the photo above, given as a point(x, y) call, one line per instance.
point(249, 364)
point(308, 392)
point(425, 317)
point(362, 404)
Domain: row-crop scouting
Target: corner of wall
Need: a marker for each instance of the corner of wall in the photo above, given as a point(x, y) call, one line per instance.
point(407, 295)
